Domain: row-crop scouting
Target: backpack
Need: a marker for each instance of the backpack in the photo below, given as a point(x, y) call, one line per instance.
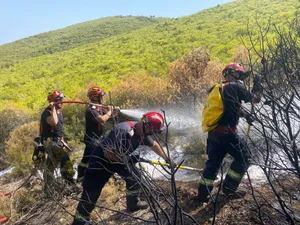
point(213, 108)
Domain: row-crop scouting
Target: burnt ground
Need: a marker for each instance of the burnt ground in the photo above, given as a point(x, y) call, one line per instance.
point(28, 205)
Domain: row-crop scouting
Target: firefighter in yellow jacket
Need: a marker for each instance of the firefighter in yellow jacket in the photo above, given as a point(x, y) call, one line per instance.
point(223, 137)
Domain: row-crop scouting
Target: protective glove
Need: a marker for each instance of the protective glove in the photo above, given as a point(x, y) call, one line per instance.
point(268, 102)
point(39, 151)
point(257, 79)
point(116, 108)
point(38, 154)
point(249, 118)
point(257, 84)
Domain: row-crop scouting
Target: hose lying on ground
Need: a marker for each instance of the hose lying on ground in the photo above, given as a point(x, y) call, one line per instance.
point(167, 164)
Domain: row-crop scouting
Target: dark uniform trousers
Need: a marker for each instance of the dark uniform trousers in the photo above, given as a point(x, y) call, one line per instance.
point(56, 156)
point(85, 159)
point(96, 176)
point(218, 145)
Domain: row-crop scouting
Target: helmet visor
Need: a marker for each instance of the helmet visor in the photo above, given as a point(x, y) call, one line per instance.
point(59, 97)
point(240, 75)
point(244, 74)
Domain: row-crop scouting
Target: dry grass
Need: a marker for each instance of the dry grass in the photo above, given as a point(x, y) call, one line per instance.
point(4, 207)
point(140, 90)
point(19, 148)
point(45, 211)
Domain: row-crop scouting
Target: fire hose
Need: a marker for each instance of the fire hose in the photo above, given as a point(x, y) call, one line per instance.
point(80, 102)
point(154, 162)
point(3, 219)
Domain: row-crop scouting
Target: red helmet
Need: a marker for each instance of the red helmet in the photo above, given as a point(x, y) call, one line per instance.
point(153, 119)
point(233, 67)
point(55, 96)
point(95, 91)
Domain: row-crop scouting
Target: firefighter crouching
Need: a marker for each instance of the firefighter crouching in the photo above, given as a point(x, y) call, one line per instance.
point(112, 157)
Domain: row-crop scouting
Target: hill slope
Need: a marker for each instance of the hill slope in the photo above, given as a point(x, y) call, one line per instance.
point(149, 49)
point(70, 37)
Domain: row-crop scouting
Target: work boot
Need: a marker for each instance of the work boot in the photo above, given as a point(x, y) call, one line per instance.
point(230, 185)
point(203, 198)
point(80, 173)
point(133, 203)
point(140, 205)
point(79, 180)
point(204, 193)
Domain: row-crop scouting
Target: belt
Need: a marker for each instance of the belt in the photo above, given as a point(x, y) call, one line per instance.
point(57, 139)
point(225, 130)
point(52, 138)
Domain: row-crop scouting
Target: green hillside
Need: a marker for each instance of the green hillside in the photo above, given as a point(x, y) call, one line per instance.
point(149, 49)
point(70, 37)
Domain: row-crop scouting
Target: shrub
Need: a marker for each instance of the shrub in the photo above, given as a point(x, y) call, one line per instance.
point(142, 90)
point(187, 74)
point(19, 147)
point(193, 75)
point(74, 121)
point(10, 118)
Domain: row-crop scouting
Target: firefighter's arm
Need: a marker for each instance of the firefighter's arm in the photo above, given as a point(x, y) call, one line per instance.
point(106, 116)
point(159, 151)
point(256, 97)
point(249, 118)
point(52, 120)
point(257, 89)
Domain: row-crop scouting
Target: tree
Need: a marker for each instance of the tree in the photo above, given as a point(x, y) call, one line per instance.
point(275, 141)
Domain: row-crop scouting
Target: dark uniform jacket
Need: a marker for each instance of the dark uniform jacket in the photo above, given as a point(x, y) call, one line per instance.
point(93, 129)
point(121, 140)
point(233, 94)
point(46, 130)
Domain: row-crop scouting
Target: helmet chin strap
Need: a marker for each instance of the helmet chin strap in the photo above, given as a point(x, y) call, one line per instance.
point(227, 73)
point(99, 99)
point(144, 129)
point(58, 106)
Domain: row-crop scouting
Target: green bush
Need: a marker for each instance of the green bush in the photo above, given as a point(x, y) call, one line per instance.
point(74, 121)
point(10, 118)
point(19, 147)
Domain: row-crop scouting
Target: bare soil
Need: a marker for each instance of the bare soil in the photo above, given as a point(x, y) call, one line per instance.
point(59, 210)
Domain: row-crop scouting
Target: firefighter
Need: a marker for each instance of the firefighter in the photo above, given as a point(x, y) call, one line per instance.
point(112, 156)
point(95, 118)
point(51, 131)
point(223, 138)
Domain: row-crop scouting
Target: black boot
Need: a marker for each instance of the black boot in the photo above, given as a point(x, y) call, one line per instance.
point(204, 193)
point(230, 185)
point(133, 203)
point(80, 173)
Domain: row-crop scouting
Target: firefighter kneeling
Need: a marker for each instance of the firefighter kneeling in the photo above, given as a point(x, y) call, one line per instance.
point(112, 157)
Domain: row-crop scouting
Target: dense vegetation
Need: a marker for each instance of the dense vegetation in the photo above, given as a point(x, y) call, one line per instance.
point(149, 49)
point(163, 64)
point(70, 37)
